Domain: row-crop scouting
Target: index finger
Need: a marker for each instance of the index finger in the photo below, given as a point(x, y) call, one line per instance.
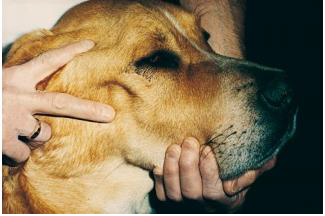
point(62, 104)
point(50, 61)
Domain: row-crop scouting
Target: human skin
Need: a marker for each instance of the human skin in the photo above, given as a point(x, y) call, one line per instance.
point(21, 100)
point(191, 172)
point(224, 21)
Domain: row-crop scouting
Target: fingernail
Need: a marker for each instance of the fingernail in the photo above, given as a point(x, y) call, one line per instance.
point(108, 113)
point(236, 187)
point(173, 151)
point(233, 187)
point(87, 44)
point(207, 150)
point(191, 142)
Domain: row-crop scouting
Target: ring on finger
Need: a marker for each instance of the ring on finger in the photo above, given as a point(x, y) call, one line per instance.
point(37, 130)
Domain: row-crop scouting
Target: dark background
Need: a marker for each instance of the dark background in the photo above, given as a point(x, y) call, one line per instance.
point(288, 34)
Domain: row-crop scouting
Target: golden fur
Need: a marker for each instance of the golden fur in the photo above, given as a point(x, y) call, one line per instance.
point(89, 167)
point(78, 170)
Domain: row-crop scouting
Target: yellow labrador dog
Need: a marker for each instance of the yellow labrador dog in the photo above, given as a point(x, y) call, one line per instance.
point(152, 64)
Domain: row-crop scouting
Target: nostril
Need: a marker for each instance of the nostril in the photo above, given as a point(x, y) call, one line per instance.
point(277, 94)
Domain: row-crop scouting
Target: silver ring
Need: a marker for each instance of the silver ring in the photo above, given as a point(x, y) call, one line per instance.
point(37, 130)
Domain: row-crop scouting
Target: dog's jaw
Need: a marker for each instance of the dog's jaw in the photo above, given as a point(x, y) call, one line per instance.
point(147, 153)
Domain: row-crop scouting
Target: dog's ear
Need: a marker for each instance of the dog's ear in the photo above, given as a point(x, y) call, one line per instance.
point(35, 43)
point(26, 47)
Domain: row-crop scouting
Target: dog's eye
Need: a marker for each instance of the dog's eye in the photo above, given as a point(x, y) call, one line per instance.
point(159, 59)
point(206, 35)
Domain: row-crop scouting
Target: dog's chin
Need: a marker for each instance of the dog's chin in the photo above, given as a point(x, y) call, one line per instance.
point(282, 141)
point(234, 162)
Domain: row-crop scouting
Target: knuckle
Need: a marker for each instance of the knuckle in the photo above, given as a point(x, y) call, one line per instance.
point(13, 76)
point(58, 101)
point(94, 110)
point(190, 144)
point(209, 169)
point(44, 58)
point(188, 163)
point(49, 59)
point(173, 152)
point(170, 170)
point(27, 127)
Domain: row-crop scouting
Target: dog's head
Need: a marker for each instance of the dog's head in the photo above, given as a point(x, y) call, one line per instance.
point(151, 62)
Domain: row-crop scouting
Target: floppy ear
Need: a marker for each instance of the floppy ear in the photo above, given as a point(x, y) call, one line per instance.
point(35, 43)
point(26, 47)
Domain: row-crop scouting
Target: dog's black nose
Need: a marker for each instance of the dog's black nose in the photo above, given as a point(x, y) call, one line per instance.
point(277, 94)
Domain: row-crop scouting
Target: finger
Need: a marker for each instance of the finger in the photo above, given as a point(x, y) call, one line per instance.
point(50, 61)
point(159, 184)
point(191, 183)
point(238, 201)
point(35, 130)
point(43, 136)
point(232, 187)
point(68, 105)
point(16, 150)
point(171, 173)
point(212, 188)
point(28, 126)
point(269, 165)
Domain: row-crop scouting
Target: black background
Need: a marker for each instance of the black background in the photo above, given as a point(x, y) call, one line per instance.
point(287, 34)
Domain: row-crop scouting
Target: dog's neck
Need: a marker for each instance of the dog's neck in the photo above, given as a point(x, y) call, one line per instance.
point(118, 183)
point(114, 187)
point(115, 181)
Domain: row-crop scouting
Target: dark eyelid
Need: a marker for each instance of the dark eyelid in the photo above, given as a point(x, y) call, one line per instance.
point(164, 59)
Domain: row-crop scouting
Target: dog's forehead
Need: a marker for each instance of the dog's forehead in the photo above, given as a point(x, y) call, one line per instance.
point(173, 21)
point(148, 23)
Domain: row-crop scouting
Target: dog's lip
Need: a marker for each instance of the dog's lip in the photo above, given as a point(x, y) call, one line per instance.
point(284, 139)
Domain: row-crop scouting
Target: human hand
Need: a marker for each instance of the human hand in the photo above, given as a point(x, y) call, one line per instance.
point(224, 21)
point(192, 173)
point(21, 100)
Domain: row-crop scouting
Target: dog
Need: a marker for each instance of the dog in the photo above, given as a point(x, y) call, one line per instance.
point(153, 65)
